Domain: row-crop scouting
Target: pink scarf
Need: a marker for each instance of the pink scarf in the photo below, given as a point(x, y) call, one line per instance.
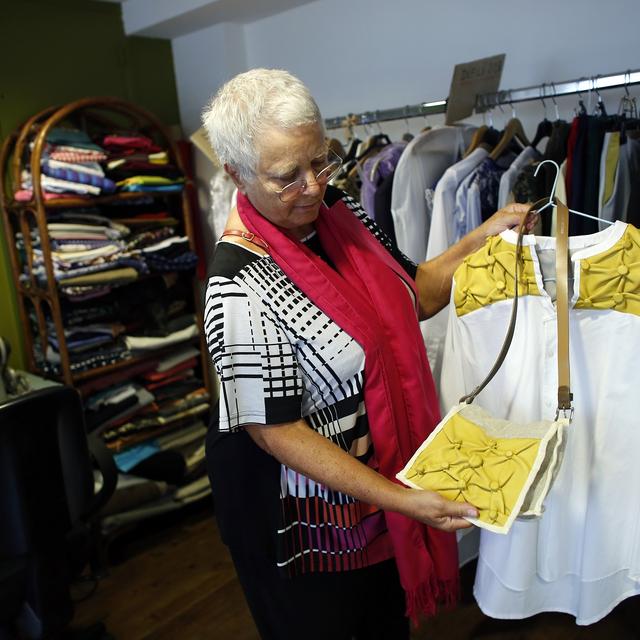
point(366, 295)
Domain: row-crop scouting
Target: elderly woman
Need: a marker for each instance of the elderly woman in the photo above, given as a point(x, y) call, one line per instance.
point(325, 390)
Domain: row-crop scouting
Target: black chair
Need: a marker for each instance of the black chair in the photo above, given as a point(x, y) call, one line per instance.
point(48, 508)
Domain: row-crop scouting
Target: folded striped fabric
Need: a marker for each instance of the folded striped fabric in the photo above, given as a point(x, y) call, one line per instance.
point(104, 184)
point(69, 154)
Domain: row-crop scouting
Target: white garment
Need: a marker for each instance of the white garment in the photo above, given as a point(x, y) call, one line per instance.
point(442, 233)
point(528, 155)
point(440, 239)
point(420, 167)
point(144, 343)
point(221, 189)
point(582, 556)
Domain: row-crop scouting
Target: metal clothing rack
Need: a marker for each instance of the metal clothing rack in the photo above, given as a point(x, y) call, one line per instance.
point(488, 101)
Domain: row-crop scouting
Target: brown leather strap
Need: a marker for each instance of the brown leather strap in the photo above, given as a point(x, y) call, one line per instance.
point(248, 236)
point(562, 307)
point(562, 301)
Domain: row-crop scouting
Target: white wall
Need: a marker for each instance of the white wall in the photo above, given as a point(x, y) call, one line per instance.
point(361, 55)
point(364, 55)
point(203, 60)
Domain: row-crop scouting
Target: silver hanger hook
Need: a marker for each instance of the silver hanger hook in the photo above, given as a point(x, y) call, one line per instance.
point(627, 79)
point(595, 86)
point(406, 117)
point(513, 109)
point(555, 182)
point(542, 94)
point(592, 84)
point(377, 120)
point(581, 108)
point(600, 103)
point(553, 99)
point(502, 111)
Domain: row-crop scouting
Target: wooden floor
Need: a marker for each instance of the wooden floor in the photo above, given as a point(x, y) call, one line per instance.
point(176, 582)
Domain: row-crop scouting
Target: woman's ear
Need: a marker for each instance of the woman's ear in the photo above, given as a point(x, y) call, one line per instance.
point(235, 176)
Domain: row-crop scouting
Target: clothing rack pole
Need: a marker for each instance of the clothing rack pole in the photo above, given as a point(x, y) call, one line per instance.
point(490, 100)
point(397, 113)
point(555, 89)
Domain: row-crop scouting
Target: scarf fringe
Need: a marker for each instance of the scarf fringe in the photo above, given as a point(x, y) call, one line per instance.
point(422, 602)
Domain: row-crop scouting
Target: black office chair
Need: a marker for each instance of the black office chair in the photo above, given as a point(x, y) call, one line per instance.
point(48, 508)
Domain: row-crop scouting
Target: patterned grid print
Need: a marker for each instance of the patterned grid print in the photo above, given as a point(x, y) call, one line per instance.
point(279, 358)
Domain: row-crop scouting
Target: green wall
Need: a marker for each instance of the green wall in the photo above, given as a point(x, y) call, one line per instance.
point(56, 51)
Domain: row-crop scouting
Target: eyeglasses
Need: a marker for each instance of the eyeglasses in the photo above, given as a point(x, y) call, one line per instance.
point(324, 176)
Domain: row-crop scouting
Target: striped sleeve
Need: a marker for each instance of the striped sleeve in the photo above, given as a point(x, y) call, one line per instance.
point(256, 364)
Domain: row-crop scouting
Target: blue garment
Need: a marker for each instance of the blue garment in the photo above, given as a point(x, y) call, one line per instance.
point(375, 170)
point(72, 138)
point(104, 184)
point(128, 459)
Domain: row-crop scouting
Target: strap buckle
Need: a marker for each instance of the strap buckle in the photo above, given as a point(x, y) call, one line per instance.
point(247, 235)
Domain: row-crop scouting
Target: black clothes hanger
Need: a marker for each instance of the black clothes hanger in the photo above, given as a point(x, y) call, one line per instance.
point(544, 130)
point(353, 148)
point(375, 142)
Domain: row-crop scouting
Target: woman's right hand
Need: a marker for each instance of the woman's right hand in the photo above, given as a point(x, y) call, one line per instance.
point(432, 509)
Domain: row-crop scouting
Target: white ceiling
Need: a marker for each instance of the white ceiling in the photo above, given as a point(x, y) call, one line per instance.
point(174, 18)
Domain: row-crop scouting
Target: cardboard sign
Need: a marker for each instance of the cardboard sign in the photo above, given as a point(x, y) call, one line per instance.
point(470, 80)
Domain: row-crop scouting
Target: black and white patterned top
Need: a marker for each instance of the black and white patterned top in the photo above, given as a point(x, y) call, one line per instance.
point(280, 358)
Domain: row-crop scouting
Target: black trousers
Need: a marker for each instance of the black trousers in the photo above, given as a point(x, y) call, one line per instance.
point(362, 604)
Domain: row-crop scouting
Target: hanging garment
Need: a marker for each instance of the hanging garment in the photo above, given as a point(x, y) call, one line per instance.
point(507, 181)
point(421, 165)
point(479, 194)
point(441, 238)
point(443, 229)
point(583, 556)
point(221, 189)
point(375, 170)
point(624, 201)
point(633, 155)
point(382, 207)
point(608, 167)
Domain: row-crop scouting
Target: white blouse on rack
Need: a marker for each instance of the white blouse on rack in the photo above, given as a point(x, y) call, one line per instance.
point(582, 556)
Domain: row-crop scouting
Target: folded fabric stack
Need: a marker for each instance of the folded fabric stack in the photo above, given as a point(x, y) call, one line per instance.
point(172, 254)
point(92, 253)
point(177, 330)
point(135, 163)
point(145, 317)
point(69, 167)
point(154, 424)
point(89, 346)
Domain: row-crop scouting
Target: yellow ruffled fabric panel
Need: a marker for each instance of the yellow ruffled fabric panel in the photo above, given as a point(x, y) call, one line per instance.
point(487, 276)
point(611, 280)
point(462, 463)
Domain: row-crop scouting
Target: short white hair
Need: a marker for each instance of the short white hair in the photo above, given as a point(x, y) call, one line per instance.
point(249, 104)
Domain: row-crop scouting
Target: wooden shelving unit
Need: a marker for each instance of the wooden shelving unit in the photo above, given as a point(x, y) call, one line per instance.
point(43, 297)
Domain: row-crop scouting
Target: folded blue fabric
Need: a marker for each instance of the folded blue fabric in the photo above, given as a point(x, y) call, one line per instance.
point(106, 185)
point(128, 459)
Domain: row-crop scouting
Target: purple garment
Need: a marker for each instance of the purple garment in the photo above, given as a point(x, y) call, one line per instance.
point(374, 171)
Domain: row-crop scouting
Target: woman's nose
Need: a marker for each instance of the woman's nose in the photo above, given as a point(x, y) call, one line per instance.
point(311, 182)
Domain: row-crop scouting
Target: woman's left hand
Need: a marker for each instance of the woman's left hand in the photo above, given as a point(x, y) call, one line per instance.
point(507, 218)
